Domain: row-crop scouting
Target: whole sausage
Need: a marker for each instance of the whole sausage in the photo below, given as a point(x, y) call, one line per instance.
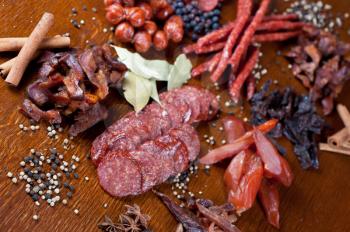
point(147, 9)
point(173, 28)
point(160, 40)
point(142, 41)
point(150, 27)
point(158, 4)
point(135, 15)
point(110, 2)
point(124, 32)
point(115, 13)
point(164, 13)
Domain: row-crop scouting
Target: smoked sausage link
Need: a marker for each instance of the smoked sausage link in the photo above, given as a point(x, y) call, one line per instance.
point(142, 41)
point(124, 32)
point(173, 28)
point(160, 40)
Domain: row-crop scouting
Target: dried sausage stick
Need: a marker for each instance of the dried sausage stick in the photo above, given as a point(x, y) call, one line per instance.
point(285, 17)
point(243, 75)
point(248, 35)
point(277, 36)
point(210, 48)
point(280, 25)
point(251, 87)
point(244, 11)
point(219, 34)
point(206, 66)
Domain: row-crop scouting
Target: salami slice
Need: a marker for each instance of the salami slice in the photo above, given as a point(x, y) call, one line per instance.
point(119, 175)
point(188, 135)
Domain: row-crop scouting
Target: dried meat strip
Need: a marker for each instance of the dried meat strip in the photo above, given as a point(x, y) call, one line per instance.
point(244, 12)
point(216, 35)
point(210, 48)
point(247, 37)
point(243, 75)
point(285, 17)
point(272, 26)
point(206, 66)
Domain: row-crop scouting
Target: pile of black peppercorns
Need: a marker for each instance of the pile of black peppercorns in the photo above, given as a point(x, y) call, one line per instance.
point(197, 23)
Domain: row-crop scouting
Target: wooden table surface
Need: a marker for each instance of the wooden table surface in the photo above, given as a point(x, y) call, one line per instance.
point(317, 201)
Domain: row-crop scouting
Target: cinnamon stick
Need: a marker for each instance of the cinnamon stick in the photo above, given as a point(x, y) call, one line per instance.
point(29, 48)
point(327, 147)
point(6, 67)
point(338, 139)
point(345, 116)
point(16, 43)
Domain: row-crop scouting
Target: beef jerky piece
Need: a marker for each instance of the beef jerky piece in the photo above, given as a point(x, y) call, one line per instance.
point(119, 175)
point(109, 57)
point(326, 72)
point(74, 76)
point(60, 99)
point(49, 63)
point(189, 221)
point(37, 94)
point(87, 63)
point(32, 111)
point(87, 119)
point(116, 80)
point(188, 135)
point(53, 80)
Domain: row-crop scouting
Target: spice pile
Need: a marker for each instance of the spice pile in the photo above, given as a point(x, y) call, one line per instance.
point(139, 23)
point(132, 220)
point(47, 177)
point(255, 169)
point(233, 43)
point(298, 120)
point(201, 215)
point(72, 84)
point(320, 61)
point(197, 21)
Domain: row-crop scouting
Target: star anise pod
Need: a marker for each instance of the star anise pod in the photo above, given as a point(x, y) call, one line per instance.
point(108, 225)
point(135, 212)
point(129, 224)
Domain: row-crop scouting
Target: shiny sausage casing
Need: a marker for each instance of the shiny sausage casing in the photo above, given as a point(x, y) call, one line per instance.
point(124, 32)
point(173, 28)
point(160, 40)
point(147, 9)
point(150, 27)
point(115, 13)
point(135, 15)
point(142, 41)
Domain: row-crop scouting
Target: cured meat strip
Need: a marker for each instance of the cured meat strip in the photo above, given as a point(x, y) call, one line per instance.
point(280, 25)
point(210, 48)
point(248, 35)
point(243, 75)
point(277, 36)
point(244, 11)
point(286, 17)
point(185, 105)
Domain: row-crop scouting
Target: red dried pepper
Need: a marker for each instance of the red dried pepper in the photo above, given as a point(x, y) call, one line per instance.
point(269, 198)
point(244, 12)
point(244, 196)
point(277, 36)
point(237, 84)
point(238, 145)
point(235, 170)
point(275, 166)
point(248, 35)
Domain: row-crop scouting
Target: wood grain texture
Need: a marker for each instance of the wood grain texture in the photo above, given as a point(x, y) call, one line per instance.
point(317, 200)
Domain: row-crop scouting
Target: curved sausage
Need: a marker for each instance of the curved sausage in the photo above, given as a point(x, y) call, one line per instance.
point(160, 40)
point(173, 28)
point(115, 13)
point(150, 27)
point(147, 9)
point(135, 15)
point(142, 41)
point(165, 12)
point(124, 32)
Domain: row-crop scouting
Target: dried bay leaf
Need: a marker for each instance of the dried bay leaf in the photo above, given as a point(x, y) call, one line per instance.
point(180, 72)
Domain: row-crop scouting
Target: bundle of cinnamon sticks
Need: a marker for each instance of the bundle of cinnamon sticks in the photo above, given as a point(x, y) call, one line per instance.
point(28, 49)
point(340, 141)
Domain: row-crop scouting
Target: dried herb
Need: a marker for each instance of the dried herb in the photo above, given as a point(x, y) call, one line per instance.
point(130, 221)
point(189, 221)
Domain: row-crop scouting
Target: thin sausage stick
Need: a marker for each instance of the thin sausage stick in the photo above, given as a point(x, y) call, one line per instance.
point(206, 66)
point(251, 87)
point(248, 35)
point(210, 48)
point(276, 37)
point(237, 84)
point(216, 35)
point(29, 49)
point(16, 43)
point(244, 11)
point(280, 25)
point(285, 17)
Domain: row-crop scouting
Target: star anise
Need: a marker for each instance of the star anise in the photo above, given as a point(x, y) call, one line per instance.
point(108, 225)
point(135, 212)
point(129, 224)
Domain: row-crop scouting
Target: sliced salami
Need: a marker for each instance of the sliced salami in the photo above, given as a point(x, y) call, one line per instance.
point(119, 175)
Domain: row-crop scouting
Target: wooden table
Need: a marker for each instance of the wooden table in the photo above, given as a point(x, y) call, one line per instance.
point(317, 201)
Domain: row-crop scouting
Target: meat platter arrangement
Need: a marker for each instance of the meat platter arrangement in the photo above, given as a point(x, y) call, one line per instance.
point(177, 111)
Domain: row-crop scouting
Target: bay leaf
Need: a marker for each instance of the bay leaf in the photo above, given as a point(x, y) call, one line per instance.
point(180, 72)
point(156, 69)
point(138, 90)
